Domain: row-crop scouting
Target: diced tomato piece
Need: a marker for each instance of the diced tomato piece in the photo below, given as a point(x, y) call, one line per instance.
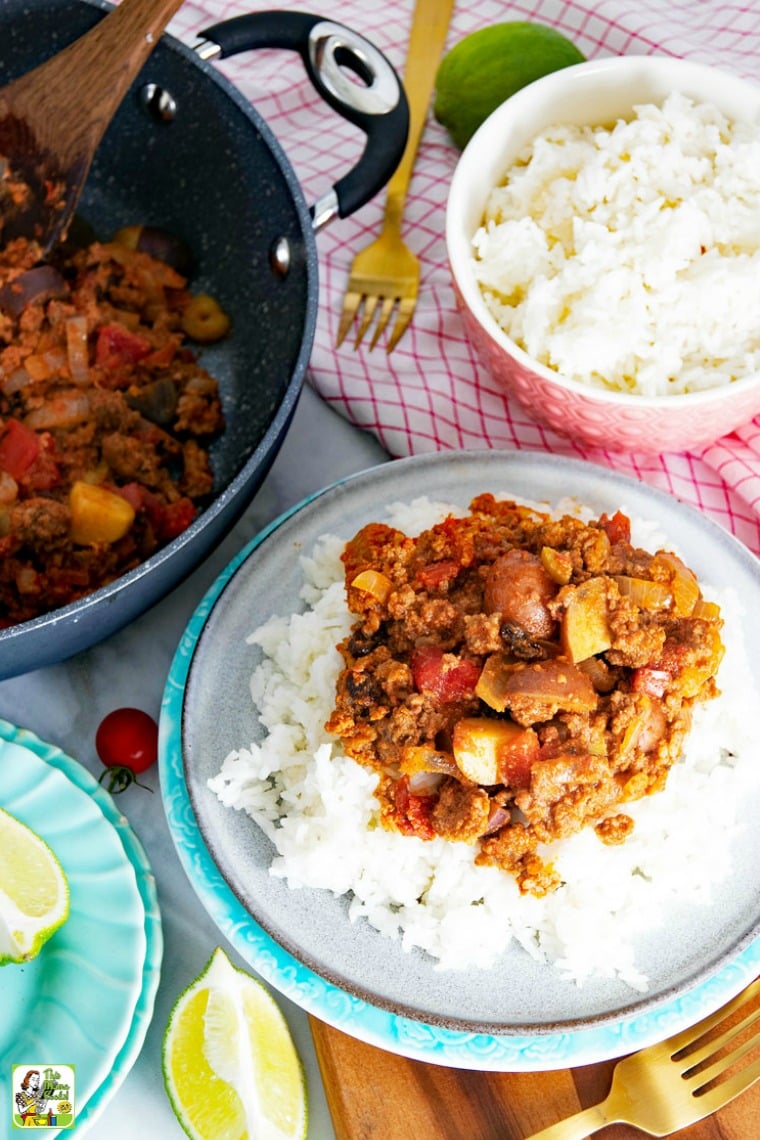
point(517, 764)
point(617, 527)
point(167, 519)
point(19, 447)
point(437, 574)
point(413, 813)
point(44, 473)
point(443, 676)
point(144, 500)
point(176, 518)
point(116, 346)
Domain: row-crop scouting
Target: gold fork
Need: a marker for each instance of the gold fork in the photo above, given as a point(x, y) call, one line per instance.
point(667, 1086)
point(387, 271)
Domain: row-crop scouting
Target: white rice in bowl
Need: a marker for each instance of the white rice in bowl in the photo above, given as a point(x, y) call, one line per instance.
point(317, 807)
point(627, 257)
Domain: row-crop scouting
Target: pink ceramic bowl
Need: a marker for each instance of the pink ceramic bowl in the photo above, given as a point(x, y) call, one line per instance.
point(598, 92)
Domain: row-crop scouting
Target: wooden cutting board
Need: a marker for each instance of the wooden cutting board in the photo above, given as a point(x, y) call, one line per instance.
point(374, 1095)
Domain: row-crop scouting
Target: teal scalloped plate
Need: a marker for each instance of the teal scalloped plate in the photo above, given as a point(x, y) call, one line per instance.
point(87, 999)
point(518, 1016)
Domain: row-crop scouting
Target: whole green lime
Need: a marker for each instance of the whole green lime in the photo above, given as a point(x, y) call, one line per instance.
point(489, 65)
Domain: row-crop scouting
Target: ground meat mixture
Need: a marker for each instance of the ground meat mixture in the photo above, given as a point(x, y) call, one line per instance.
point(514, 678)
point(105, 418)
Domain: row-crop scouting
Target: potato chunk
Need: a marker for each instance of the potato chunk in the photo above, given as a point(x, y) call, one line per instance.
point(494, 751)
point(97, 514)
point(546, 686)
point(584, 629)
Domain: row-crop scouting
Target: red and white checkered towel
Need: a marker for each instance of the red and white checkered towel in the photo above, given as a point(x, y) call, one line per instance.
point(431, 393)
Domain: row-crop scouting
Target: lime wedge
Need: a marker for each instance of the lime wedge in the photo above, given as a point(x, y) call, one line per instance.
point(230, 1066)
point(34, 893)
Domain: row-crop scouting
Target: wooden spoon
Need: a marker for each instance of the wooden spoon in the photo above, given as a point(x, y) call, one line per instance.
point(53, 118)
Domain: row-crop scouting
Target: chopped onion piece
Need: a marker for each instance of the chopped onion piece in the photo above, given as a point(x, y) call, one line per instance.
point(55, 358)
point(499, 817)
point(63, 410)
point(425, 783)
point(77, 349)
point(646, 594)
point(708, 611)
point(422, 758)
point(374, 583)
point(683, 582)
point(39, 283)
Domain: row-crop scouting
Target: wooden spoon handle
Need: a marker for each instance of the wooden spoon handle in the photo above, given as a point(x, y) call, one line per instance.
point(93, 73)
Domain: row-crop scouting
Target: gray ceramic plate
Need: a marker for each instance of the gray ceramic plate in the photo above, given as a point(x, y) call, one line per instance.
point(207, 712)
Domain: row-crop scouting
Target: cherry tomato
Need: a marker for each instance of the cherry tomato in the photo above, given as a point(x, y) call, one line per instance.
point(127, 743)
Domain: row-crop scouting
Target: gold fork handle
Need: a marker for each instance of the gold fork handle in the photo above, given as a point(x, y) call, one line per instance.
point(579, 1126)
point(427, 38)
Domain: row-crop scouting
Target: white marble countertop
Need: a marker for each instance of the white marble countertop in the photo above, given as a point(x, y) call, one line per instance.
point(65, 703)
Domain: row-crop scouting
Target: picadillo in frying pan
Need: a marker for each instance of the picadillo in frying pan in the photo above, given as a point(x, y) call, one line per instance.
point(188, 153)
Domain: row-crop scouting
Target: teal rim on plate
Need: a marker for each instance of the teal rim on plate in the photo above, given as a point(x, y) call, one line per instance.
point(362, 1019)
point(96, 979)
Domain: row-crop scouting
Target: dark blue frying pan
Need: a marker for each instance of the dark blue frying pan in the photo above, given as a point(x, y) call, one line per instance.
point(188, 153)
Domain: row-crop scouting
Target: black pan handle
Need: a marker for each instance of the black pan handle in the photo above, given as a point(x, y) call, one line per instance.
point(377, 104)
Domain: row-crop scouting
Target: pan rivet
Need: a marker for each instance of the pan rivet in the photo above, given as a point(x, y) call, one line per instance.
point(158, 102)
point(279, 257)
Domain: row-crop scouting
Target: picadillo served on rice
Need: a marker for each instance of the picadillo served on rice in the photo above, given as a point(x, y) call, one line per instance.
point(512, 685)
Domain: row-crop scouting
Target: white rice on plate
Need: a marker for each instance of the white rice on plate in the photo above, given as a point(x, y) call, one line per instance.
point(317, 807)
point(628, 257)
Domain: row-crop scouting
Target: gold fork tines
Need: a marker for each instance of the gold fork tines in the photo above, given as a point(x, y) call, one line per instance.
point(385, 276)
point(371, 289)
point(668, 1086)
